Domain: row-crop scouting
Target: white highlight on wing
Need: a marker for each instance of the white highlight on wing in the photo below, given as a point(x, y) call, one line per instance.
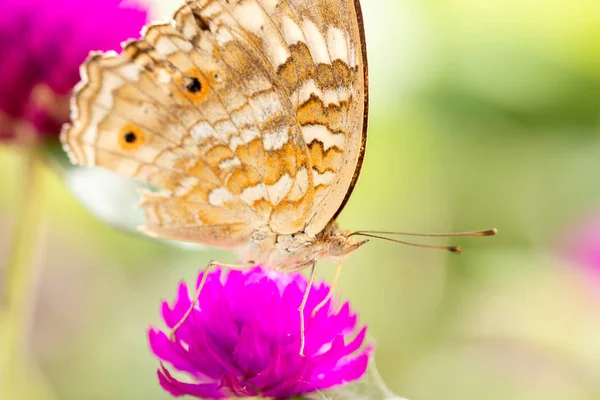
point(344, 94)
point(338, 46)
point(323, 135)
point(90, 155)
point(336, 96)
point(275, 140)
point(330, 96)
point(219, 196)
point(278, 52)
point(247, 135)
point(253, 193)
point(223, 36)
point(202, 130)
point(130, 72)
point(243, 116)
point(185, 185)
point(163, 75)
point(291, 31)
point(252, 16)
point(300, 185)
point(189, 29)
point(235, 142)
point(322, 179)
point(225, 129)
point(165, 46)
point(278, 190)
point(305, 90)
point(230, 163)
point(266, 106)
point(316, 42)
point(353, 57)
point(183, 44)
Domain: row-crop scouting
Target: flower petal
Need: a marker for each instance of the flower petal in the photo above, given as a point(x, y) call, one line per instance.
point(177, 388)
point(171, 352)
point(244, 337)
point(252, 352)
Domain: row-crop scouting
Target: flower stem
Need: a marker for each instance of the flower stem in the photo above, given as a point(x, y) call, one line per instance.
point(19, 274)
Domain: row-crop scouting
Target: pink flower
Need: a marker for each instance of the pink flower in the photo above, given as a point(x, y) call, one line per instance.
point(581, 243)
point(42, 45)
point(243, 339)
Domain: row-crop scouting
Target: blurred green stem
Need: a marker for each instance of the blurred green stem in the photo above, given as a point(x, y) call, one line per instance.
point(20, 273)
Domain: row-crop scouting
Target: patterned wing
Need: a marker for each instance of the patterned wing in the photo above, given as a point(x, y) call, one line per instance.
point(334, 116)
point(207, 108)
point(317, 51)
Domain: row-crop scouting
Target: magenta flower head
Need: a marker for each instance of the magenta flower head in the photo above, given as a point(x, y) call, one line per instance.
point(581, 243)
point(243, 339)
point(43, 43)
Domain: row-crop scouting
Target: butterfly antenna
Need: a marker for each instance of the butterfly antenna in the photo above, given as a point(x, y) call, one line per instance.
point(447, 249)
point(486, 232)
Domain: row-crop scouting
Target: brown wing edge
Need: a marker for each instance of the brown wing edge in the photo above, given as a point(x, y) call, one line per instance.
point(363, 144)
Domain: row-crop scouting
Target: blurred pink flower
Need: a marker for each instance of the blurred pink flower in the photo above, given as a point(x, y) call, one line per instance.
point(42, 45)
point(243, 339)
point(581, 243)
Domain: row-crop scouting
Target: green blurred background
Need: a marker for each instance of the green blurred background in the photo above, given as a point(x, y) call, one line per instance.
point(485, 113)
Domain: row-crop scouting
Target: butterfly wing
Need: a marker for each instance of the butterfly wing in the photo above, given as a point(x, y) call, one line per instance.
point(217, 108)
point(330, 94)
point(317, 50)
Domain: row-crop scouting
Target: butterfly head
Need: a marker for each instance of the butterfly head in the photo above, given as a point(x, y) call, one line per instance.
point(340, 243)
point(341, 246)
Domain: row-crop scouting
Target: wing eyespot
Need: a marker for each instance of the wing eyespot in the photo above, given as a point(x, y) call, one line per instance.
point(195, 86)
point(131, 137)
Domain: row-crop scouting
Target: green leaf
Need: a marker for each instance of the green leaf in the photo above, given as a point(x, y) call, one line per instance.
point(370, 387)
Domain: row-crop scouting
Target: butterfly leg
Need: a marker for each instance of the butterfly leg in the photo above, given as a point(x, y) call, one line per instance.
point(210, 265)
point(336, 277)
point(311, 279)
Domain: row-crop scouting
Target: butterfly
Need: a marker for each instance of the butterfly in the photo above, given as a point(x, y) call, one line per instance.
point(249, 115)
